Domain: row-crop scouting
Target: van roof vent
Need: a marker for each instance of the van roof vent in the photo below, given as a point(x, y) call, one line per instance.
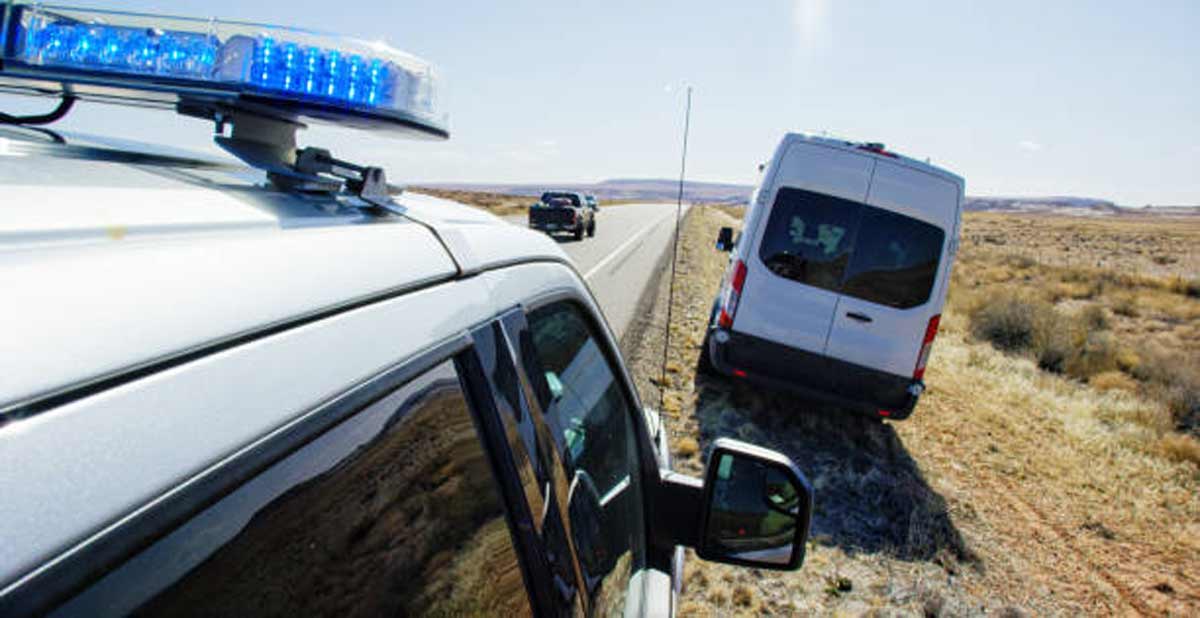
point(877, 148)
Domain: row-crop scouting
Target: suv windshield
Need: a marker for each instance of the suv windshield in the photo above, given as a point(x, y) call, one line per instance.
point(551, 197)
point(844, 246)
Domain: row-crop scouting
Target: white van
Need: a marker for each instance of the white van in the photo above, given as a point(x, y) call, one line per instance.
point(837, 282)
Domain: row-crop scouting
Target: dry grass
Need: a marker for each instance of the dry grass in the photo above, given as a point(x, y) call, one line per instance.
point(1104, 294)
point(1159, 247)
point(1013, 490)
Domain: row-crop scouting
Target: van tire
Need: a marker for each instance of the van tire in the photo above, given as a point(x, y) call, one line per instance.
point(591, 231)
point(579, 232)
point(704, 364)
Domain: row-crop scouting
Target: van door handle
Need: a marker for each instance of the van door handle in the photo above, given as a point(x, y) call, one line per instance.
point(861, 317)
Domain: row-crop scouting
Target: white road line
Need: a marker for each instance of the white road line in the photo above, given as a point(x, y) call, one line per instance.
point(608, 258)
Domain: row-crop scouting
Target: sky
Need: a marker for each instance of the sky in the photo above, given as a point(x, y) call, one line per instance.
point(1021, 98)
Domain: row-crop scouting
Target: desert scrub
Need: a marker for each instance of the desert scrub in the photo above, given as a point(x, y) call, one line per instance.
point(1094, 318)
point(1175, 379)
point(1022, 323)
point(1098, 354)
point(1009, 321)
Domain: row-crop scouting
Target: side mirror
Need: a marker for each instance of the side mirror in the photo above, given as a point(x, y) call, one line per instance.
point(757, 508)
point(753, 508)
point(725, 239)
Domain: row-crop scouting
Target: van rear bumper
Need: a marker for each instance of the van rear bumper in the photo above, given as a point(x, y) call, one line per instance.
point(837, 382)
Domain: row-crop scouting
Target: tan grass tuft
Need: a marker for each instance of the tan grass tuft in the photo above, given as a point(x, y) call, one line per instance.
point(1180, 447)
point(1113, 380)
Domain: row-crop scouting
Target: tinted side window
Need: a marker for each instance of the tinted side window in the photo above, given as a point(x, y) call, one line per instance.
point(394, 511)
point(532, 451)
point(592, 424)
point(809, 237)
point(895, 260)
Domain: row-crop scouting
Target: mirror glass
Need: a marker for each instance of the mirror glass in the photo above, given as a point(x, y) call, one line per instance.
point(725, 239)
point(754, 511)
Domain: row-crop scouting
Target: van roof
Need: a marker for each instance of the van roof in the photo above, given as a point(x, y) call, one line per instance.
point(873, 149)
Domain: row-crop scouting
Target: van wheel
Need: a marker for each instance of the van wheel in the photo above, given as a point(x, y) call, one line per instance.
point(579, 233)
point(591, 229)
point(704, 365)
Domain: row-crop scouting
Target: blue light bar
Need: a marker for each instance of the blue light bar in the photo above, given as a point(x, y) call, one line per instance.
point(279, 65)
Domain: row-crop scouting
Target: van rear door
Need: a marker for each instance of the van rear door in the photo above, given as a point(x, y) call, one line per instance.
point(794, 264)
point(895, 281)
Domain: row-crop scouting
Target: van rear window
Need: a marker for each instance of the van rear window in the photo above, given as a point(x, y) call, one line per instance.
point(570, 199)
point(844, 246)
point(809, 236)
point(895, 260)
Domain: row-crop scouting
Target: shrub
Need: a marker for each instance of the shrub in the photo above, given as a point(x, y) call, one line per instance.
point(1128, 360)
point(1094, 318)
point(1053, 344)
point(1126, 305)
point(1097, 355)
point(1009, 321)
point(1175, 379)
point(1017, 323)
point(1020, 262)
point(1187, 287)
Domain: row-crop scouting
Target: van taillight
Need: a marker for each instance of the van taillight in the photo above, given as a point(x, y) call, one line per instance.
point(732, 294)
point(926, 346)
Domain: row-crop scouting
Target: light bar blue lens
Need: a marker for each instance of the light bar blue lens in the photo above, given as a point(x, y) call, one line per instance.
point(264, 60)
point(322, 73)
point(118, 49)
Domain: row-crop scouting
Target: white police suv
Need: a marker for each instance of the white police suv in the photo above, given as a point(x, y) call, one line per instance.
point(290, 388)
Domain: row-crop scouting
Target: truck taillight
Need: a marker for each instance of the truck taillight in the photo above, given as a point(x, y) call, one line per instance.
point(733, 292)
point(926, 346)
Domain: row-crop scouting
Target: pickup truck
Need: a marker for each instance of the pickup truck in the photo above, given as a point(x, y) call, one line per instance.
point(563, 211)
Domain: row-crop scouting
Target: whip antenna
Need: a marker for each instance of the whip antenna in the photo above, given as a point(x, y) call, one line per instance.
point(687, 120)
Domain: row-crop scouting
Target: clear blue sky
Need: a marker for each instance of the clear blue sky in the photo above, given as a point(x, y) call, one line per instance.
point(1094, 98)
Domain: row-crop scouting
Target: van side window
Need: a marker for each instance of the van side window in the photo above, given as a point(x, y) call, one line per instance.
point(809, 237)
point(593, 425)
point(895, 260)
point(394, 511)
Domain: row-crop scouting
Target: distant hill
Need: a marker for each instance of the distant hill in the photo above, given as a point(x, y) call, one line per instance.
point(654, 189)
point(620, 189)
point(1072, 206)
point(1077, 206)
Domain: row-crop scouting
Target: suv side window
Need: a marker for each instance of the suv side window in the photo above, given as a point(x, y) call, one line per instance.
point(393, 511)
point(895, 259)
point(809, 237)
point(592, 423)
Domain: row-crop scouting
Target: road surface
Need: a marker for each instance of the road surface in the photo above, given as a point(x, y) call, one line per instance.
point(622, 257)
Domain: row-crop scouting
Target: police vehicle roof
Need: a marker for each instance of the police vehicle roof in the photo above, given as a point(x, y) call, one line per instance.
point(123, 263)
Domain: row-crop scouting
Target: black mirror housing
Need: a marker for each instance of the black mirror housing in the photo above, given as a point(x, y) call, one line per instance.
point(753, 508)
point(725, 239)
point(757, 508)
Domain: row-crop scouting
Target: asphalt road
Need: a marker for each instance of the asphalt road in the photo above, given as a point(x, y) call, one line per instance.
point(621, 258)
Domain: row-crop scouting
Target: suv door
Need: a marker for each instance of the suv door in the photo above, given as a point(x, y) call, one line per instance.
point(795, 263)
point(585, 405)
point(395, 509)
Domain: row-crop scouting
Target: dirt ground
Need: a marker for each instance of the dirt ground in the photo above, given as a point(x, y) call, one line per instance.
point(1010, 492)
